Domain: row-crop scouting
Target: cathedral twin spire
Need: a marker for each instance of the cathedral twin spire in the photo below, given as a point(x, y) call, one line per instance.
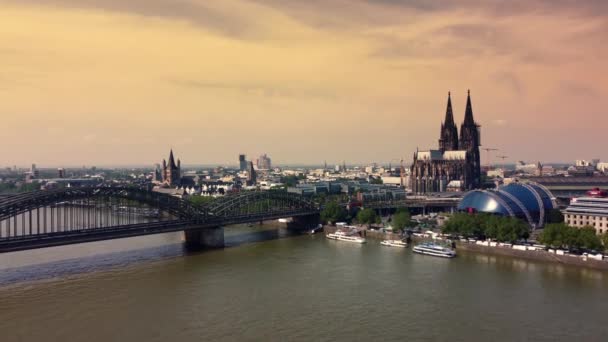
point(448, 140)
point(468, 114)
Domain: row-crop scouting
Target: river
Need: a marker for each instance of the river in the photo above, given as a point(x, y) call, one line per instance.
point(301, 288)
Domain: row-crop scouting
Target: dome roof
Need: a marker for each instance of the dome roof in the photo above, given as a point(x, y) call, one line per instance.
point(529, 201)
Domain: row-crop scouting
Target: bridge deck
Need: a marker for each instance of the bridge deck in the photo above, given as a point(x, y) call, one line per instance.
point(34, 241)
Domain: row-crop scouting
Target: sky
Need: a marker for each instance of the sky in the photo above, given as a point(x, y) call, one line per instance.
point(114, 82)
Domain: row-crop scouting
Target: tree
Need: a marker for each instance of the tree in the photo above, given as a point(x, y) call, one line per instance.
point(588, 238)
point(366, 216)
point(464, 224)
point(492, 227)
point(555, 216)
point(511, 229)
point(29, 187)
point(290, 180)
point(200, 200)
point(333, 212)
point(486, 226)
point(374, 180)
point(401, 220)
point(604, 239)
point(559, 235)
point(554, 235)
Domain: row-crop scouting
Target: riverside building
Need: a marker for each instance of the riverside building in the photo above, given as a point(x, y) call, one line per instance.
point(588, 211)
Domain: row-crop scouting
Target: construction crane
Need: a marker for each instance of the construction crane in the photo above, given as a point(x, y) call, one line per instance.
point(503, 159)
point(488, 150)
point(402, 174)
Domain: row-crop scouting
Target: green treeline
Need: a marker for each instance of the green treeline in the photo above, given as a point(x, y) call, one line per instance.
point(509, 229)
point(401, 220)
point(486, 226)
point(560, 235)
point(333, 212)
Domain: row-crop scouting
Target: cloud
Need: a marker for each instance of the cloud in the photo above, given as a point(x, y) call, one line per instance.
point(499, 122)
point(510, 81)
point(573, 88)
point(501, 7)
point(448, 41)
point(206, 14)
point(324, 66)
point(264, 90)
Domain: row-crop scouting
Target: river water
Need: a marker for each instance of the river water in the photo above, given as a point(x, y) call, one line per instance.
point(300, 288)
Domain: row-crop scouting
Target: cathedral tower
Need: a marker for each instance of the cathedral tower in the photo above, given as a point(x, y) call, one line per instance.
point(470, 141)
point(448, 138)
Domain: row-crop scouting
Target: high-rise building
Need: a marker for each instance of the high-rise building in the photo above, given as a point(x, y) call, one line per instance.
point(171, 171)
point(264, 162)
point(34, 171)
point(60, 173)
point(456, 164)
point(158, 175)
point(242, 162)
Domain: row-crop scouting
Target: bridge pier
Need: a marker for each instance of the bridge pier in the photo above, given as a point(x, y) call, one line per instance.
point(204, 238)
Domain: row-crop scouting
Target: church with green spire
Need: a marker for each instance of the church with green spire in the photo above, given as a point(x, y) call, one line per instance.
point(455, 166)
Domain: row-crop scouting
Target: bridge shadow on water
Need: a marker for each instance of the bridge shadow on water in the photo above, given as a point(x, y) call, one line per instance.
point(258, 236)
point(84, 264)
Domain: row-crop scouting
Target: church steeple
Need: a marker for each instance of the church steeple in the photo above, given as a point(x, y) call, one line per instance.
point(468, 114)
point(448, 138)
point(171, 171)
point(449, 114)
point(172, 160)
point(470, 141)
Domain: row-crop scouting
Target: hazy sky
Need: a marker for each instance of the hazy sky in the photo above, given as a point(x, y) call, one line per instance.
point(102, 82)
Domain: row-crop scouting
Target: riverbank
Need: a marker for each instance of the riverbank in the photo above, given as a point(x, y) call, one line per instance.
point(543, 256)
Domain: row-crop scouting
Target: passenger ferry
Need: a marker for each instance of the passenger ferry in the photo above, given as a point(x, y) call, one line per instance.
point(394, 243)
point(341, 236)
point(431, 248)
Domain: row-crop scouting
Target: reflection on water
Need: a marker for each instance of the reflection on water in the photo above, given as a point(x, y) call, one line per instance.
point(554, 270)
point(61, 261)
point(304, 288)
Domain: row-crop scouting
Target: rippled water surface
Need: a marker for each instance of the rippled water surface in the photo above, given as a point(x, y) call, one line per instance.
point(302, 288)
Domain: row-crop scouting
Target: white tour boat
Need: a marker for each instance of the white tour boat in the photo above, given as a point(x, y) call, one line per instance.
point(394, 243)
point(431, 248)
point(341, 236)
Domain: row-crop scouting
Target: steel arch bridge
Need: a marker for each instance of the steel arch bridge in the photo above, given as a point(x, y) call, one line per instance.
point(261, 205)
point(74, 215)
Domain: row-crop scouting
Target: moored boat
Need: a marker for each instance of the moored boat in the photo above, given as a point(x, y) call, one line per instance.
point(434, 249)
point(341, 236)
point(394, 243)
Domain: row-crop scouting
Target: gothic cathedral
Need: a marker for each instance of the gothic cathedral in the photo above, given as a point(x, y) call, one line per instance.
point(455, 166)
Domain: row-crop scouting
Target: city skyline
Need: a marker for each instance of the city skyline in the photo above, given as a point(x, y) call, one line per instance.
point(296, 81)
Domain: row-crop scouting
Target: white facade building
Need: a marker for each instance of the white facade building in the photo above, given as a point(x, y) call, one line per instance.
point(588, 211)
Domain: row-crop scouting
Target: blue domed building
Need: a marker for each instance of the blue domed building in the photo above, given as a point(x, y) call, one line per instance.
point(528, 201)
